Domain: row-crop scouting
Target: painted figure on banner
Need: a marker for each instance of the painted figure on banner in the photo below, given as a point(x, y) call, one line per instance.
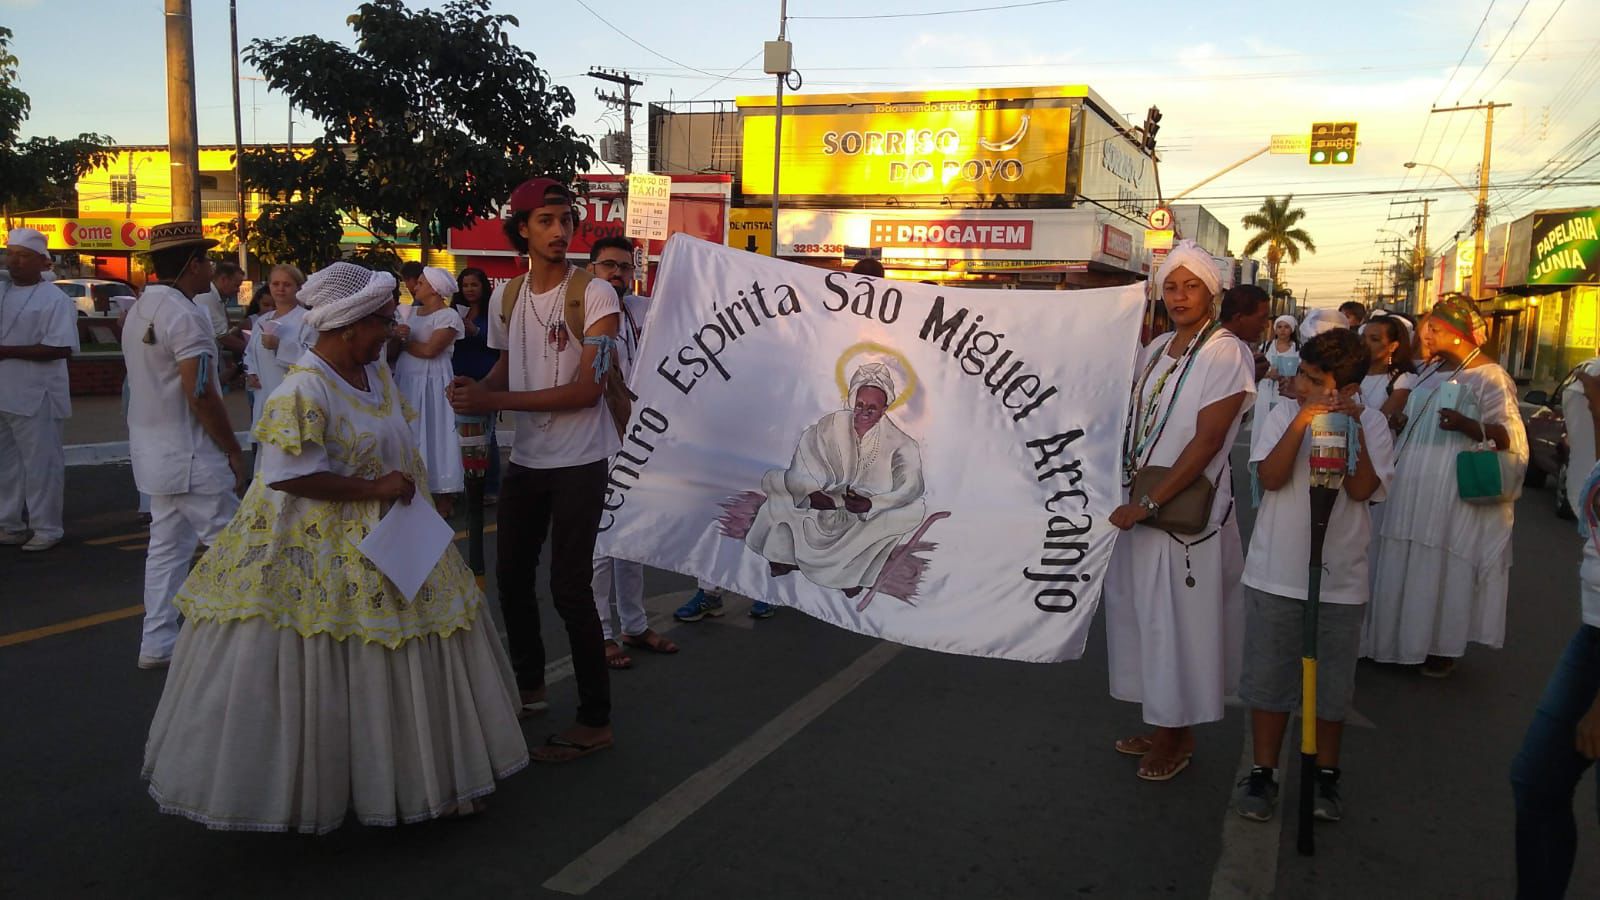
point(840, 511)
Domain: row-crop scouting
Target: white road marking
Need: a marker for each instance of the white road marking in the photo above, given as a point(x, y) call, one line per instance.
point(1247, 867)
point(656, 821)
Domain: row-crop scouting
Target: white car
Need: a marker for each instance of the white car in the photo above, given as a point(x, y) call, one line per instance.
point(97, 295)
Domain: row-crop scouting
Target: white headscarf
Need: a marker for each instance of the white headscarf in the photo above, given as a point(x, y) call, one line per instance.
point(873, 375)
point(1321, 320)
point(344, 293)
point(1405, 323)
point(1189, 255)
point(442, 282)
point(1284, 320)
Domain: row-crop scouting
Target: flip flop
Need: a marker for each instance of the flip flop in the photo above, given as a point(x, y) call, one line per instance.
point(1137, 745)
point(1183, 763)
point(557, 741)
point(650, 640)
point(617, 660)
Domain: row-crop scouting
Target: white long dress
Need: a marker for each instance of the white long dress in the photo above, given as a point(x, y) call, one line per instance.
point(304, 685)
point(1267, 389)
point(270, 366)
point(1443, 565)
point(424, 382)
point(1176, 649)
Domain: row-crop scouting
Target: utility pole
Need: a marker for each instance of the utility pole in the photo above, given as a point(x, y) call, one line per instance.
point(625, 103)
point(1480, 219)
point(183, 138)
point(778, 61)
point(238, 137)
point(1422, 249)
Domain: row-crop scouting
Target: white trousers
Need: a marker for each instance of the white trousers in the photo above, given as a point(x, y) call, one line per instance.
point(708, 587)
point(179, 523)
point(622, 581)
point(33, 474)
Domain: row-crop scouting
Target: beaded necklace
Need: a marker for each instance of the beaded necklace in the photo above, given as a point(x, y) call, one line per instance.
point(554, 329)
point(1146, 424)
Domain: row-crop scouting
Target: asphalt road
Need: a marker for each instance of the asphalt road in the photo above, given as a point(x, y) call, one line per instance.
point(784, 758)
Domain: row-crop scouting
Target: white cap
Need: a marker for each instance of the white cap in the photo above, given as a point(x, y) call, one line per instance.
point(28, 239)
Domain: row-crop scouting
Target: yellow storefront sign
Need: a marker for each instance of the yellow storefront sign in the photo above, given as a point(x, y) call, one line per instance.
point(941, 149)
point(750, 229)
point(88, 235)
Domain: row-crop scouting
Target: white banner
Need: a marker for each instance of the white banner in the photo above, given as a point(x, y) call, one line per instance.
point(930, 465)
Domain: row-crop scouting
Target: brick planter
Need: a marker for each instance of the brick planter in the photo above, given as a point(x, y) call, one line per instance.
point(96, 374)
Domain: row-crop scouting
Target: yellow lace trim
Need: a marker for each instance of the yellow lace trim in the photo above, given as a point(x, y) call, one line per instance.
point(294, 562)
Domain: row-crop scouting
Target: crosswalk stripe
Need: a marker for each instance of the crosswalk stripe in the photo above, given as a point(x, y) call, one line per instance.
point(34, 634)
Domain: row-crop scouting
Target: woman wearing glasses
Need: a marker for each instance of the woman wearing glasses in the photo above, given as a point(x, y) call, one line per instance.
point(304, 685)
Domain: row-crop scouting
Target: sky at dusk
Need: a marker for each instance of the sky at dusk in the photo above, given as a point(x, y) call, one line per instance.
point(1226, 75)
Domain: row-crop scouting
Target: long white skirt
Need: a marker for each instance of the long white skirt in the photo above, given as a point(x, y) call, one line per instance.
point(260, 729)
point(1447, 601)
point(436, 430)
point(1173, 648)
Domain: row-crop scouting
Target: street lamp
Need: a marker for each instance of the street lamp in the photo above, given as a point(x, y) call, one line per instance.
point(1442, 170)
point(130, 189)
point(1480, 219)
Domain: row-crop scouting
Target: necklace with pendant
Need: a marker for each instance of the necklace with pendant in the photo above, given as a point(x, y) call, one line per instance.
point(554, 331)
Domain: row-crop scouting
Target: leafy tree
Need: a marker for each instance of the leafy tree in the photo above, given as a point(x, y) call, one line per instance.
point(1275, 229)
point(306, 233)
point(40, 173)
point(428, 122)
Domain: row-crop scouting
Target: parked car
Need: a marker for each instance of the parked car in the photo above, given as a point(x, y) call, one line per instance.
point(93, 295)
point(1548, 450)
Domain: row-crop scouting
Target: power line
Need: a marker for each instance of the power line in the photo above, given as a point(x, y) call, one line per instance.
point(1525, 50)
point(630, 39)
point(938, 12)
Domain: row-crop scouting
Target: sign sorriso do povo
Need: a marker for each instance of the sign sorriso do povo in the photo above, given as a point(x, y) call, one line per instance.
point(930, 465)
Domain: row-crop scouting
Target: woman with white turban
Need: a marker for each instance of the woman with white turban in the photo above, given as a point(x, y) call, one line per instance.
point(1174, 613)
point(304, 684)
point(426, 345)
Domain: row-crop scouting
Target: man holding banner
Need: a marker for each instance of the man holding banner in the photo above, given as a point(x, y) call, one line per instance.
point(556, 483)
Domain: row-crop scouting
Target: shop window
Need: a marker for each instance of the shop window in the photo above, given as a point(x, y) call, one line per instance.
point(208, 182)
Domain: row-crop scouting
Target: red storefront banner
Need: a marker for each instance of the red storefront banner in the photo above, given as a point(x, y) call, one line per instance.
point(957, 234)
point(1116, 242)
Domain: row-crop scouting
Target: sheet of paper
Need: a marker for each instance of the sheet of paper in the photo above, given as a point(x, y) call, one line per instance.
point(407, 544)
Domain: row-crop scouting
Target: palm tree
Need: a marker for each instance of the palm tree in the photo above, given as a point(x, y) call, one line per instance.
point(1274, 225)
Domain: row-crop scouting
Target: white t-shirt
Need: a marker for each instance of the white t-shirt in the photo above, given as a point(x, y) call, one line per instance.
point(1280, 546)
point(1375, 390)
point(533, 363)
point(36, 314)
point(1580, 435)
point(171, 452)
point(211, 302)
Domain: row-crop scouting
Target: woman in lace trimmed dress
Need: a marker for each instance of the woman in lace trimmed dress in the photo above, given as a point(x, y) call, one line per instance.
point(304, 685)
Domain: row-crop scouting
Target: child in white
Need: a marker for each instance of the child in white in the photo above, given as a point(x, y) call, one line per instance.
point(426, 343)
point(278, 339)
point(1276, 572)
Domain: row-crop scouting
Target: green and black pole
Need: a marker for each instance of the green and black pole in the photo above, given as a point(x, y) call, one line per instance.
point(474, 436)
point(1331, 452)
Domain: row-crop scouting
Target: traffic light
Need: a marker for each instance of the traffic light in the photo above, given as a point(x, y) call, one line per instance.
point(1332, 144)
point(1152, 124)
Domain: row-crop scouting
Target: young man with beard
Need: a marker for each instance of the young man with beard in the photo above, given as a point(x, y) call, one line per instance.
point(565, 438)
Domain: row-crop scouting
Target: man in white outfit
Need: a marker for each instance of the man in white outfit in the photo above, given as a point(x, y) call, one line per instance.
point(184, 453)
point(611, 259)
point(38, 331)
